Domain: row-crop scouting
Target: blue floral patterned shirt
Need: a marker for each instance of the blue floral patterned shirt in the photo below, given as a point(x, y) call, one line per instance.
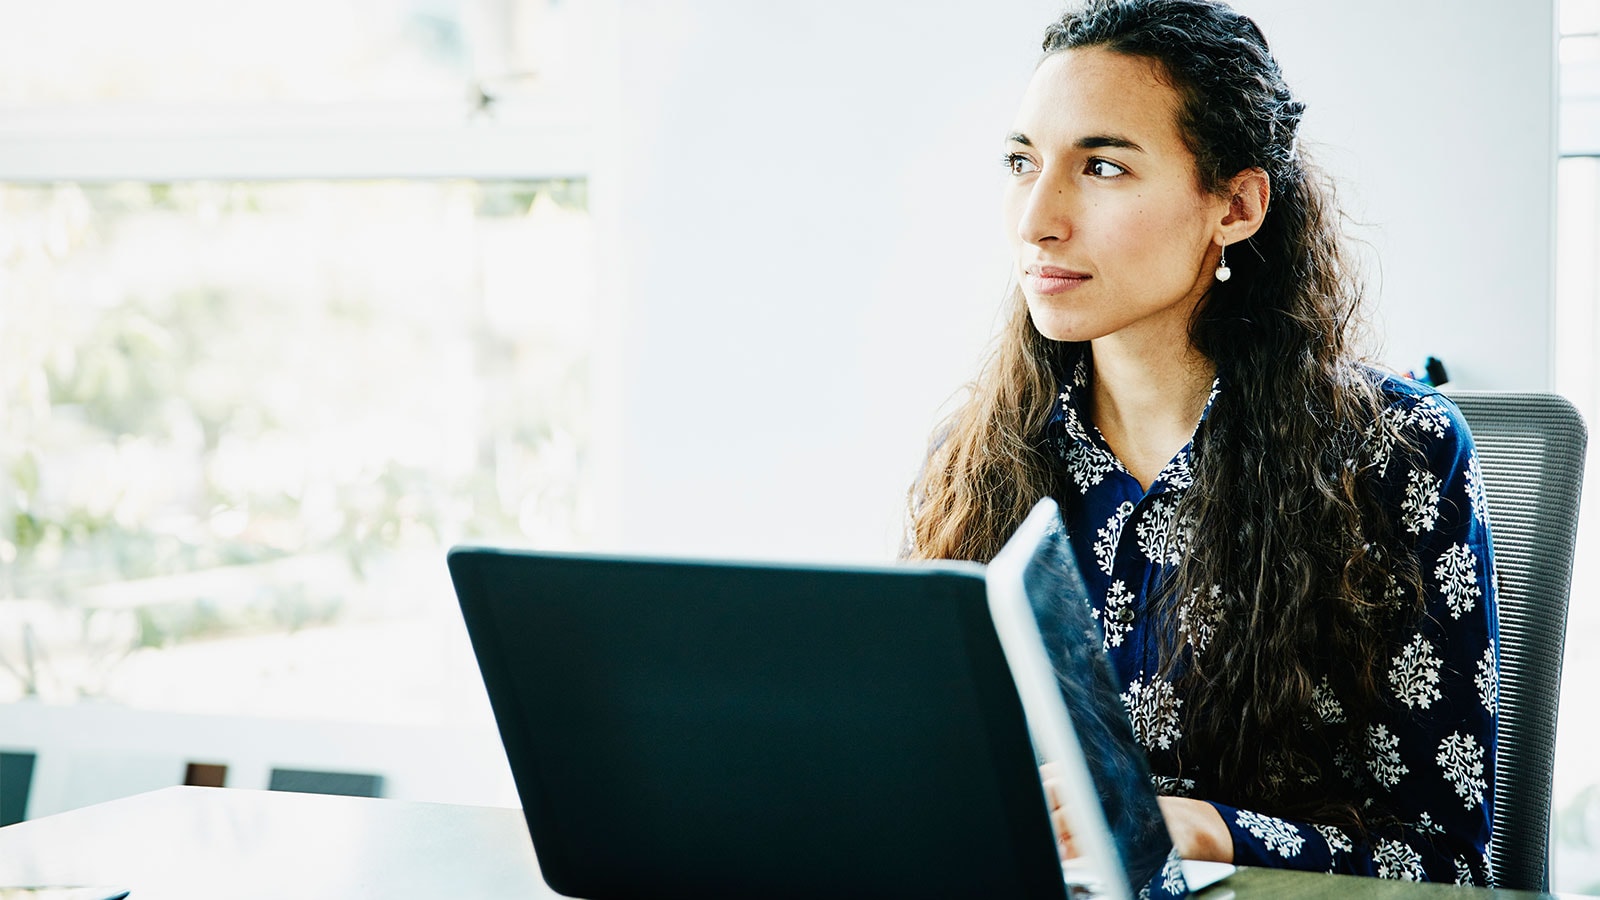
point(1429, 753)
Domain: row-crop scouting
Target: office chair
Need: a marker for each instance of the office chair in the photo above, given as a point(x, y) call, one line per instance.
point(1531, 451)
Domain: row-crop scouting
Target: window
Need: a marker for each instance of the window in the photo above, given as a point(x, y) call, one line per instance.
point(254, 409)
point(1575, 848)
point(290, 52)
point(292, 298)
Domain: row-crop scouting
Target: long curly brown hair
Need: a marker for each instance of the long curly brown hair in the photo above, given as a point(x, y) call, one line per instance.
point(1285, 494)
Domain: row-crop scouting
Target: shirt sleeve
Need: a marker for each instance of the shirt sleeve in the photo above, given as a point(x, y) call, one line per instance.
point(1427, 764)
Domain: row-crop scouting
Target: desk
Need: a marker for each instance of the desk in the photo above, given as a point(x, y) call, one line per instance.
point(187, 842)
point(1247, 884)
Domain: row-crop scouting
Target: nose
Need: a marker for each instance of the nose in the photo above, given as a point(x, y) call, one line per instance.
point(1048, 211)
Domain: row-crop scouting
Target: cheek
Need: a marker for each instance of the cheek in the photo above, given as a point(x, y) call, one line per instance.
point(1147, 231)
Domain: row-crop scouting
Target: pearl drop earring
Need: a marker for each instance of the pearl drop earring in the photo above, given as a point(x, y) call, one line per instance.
point(1223, 272)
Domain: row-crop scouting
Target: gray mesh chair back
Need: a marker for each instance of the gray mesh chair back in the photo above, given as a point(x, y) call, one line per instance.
point(1531, 450)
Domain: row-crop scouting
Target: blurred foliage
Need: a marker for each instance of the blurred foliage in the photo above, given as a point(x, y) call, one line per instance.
point(220, 378)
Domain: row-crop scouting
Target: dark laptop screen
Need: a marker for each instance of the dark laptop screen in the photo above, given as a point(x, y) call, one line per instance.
point(716, 729)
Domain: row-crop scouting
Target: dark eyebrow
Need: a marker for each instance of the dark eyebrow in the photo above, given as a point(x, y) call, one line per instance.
point(1096, 141)
point(1108, 140)
point(1092, 142)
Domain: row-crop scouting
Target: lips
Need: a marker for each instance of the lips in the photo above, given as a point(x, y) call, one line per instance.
point(1053, 279)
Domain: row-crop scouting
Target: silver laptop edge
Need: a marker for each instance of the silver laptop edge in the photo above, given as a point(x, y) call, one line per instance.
point(1100, 865)
point(1047, 715)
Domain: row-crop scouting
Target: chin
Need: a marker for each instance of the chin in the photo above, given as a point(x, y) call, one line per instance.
point(1062, 334)
point(1059, 325)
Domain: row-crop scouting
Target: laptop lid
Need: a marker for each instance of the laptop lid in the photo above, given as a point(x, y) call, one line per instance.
point(698, 728)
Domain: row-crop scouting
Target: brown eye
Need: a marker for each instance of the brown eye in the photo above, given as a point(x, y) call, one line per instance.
point(1018, 164)
point(1104, 168)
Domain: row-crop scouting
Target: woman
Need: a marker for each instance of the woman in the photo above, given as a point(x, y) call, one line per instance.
point(1288, 550)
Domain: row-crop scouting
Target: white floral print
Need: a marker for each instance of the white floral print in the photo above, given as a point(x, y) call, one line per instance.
point(1428, 416)
point(1475, 494)
point(1420, 509)
point(1457, 573)
point(1414, 674)
point(1118, 618)
point(1069, 410)
point(1383, 756)
point(1177, 474)
point(1344, 759)
point(1172, 785)
point(1153, 708)
point(1277, 834)
point(1108, 537)
point(1161, 536)
point(1172, 882)
point(1392, 591)
point(1461, 760)
point(1398, 860)
point(1382, 436)
point(1488, 680)
point(1327, 706)
point(1337, 840)
point(1197, 616)
point(1089, 465)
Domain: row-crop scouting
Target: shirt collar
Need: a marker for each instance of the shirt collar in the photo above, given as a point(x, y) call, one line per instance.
point(1072, 415)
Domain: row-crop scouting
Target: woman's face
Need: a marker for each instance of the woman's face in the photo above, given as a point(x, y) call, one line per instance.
point(1108, 226)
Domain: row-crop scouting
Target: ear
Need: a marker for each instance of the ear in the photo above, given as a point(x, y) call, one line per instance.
point(1246, 209)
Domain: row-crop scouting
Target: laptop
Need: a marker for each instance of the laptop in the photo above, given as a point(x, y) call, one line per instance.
point(681, 728)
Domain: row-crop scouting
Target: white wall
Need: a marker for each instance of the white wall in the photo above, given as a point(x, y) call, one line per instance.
point(1439, 118)
point(806, 255)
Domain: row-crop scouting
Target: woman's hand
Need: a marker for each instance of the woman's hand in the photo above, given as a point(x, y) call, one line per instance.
point(1050, 774)
point(1197, 829)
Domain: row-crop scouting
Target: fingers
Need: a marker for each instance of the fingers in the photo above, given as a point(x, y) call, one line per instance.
point(1064, 845)
point(1054, 794)
point(1050, 774)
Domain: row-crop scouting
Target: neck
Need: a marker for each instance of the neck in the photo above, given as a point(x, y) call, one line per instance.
point(1148, 398)
point(1151, 388)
